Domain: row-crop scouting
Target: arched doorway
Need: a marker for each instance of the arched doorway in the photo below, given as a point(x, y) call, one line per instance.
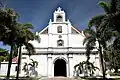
point(60, 68)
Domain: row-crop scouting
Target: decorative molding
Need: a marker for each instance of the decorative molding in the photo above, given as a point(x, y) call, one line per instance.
point(60, 58)
point(49, 55)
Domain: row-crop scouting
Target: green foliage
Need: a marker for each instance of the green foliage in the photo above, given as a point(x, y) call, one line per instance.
point(106, 6)
point(106, 30)
point(14, 33)
point(100, 31)
point(34, 78)
point(25, 67)
point(30, 49)
point(112, 56)
point(32, 64)
point(2, 58)
point(85, 66)
point(7, 25)
point(89, 41)
point(37, 37)
point(3, 54)
point(15, 49)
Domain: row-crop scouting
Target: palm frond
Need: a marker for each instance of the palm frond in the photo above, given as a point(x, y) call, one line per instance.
point(25, 67)
point(28, 26)
point(106, 6)
point(113, 5)
point(30, 64)
point(30, 48)
point(118, 5)
point(95, 21)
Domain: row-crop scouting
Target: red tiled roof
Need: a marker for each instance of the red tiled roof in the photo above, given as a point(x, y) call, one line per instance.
point(15, 59)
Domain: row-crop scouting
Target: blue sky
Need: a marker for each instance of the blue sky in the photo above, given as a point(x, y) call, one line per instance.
point(38, 12)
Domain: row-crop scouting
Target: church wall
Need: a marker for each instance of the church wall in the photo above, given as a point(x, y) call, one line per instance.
point(80, 58)
point(76, 40)
point(55, 38)
point(76, 60)
point(4, 68)
point(43, 41)
point(54, 28)
point(42, 63)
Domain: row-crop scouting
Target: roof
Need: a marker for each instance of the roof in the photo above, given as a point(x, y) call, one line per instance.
point(15, 59)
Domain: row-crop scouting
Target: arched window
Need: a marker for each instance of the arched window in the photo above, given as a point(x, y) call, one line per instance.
point(59, 18)
point(60, 42)
point(59, 29)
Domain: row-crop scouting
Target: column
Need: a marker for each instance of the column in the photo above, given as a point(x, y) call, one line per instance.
point(49, 65)
point(70, 66)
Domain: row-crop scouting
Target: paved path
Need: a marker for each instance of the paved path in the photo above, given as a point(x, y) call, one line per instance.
point(60, 78)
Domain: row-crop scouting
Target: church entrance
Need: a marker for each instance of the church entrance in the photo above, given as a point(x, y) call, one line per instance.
point(60, 68)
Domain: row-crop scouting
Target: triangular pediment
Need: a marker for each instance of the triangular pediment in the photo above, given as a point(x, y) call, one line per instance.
point(44, 31)
point(75, 31)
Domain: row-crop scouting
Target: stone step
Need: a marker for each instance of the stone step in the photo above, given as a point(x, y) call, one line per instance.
point(60, 78)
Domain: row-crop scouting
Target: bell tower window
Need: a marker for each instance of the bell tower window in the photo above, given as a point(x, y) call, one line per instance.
point(60, 42)
point(59, 29)
point(59, 18)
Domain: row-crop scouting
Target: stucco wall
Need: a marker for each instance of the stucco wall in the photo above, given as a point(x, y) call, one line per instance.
point(4, 68)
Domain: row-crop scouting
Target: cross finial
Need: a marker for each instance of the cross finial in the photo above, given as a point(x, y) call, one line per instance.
point(59, 9)
point(50, 21)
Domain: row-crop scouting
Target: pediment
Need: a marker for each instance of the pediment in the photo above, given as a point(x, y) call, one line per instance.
point(44, 31)
point(75, 31)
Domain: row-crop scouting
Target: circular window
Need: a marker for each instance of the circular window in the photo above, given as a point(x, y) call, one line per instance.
point(60, 36)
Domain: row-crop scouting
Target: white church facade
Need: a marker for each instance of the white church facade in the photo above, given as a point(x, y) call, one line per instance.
point(60, 48)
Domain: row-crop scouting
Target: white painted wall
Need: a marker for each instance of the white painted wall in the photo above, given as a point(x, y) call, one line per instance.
point(4, 68)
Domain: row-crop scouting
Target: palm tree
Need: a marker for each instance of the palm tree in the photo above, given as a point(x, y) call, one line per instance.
point(25, 36)
point(93, 37)
point(33, 65)
point(25, 68)
point(112, 56)
point(8, 19)
point(103, 25)
point(78, 68)
point(13, 34)
point(111, 53)
point(85, 66)
point(89, 67)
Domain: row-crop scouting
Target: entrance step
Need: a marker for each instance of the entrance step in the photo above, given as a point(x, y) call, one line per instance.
point(60, 78)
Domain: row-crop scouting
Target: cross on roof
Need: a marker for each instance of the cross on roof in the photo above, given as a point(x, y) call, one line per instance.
point(59, 9)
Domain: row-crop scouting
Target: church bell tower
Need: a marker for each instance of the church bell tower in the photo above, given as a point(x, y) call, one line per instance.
point(59, 15)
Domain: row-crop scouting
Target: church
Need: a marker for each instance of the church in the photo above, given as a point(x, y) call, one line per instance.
point(59, 49)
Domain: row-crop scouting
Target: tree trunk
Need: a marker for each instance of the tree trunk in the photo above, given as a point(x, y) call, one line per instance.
point(101, 59)
point(116, 70)
point(19, 62)
point(10, 62)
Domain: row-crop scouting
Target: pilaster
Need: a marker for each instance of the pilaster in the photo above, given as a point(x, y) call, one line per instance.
point(70, 71)
point(49, 65)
